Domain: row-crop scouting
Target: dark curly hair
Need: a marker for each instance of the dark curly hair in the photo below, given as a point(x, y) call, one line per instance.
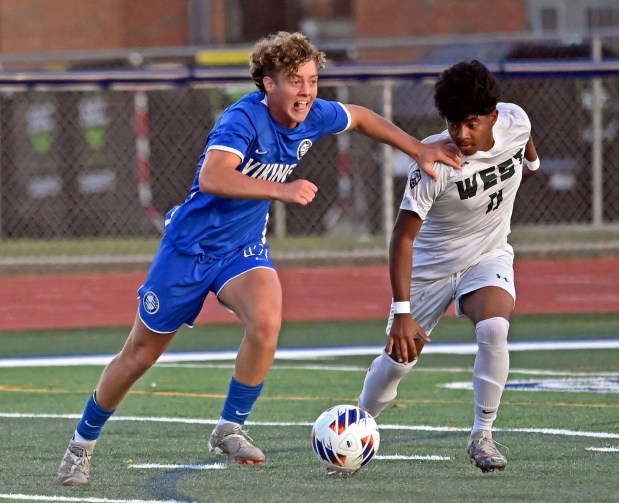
point(282, 51)
point(466, 88)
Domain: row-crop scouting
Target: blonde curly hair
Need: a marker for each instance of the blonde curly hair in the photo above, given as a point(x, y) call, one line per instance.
point(282, 51)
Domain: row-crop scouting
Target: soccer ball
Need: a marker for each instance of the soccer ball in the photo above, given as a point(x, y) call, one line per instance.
point(345, 438)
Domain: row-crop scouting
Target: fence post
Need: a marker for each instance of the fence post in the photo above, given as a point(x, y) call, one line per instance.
point(597, 139)
point(387, 168)
point(142, 150)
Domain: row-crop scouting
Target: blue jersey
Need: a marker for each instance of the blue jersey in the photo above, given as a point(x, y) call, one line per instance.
point(218, 226)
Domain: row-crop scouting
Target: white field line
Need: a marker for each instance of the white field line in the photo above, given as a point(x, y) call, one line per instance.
point(542, 431)
point(361, 368)
point(572, 384)
point(150, 466)
point(398, 457)
point(219, 466)
point(603, 449)
point(40, 497)
point(311, 353)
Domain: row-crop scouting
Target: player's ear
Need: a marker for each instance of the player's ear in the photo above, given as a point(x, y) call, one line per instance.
point(493, 117)
point(268, 83)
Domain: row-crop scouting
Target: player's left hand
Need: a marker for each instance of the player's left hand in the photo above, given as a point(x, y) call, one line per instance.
point(401, 345)
point(443, 151)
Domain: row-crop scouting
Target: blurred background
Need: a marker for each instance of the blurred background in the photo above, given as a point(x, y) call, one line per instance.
point(105, 107)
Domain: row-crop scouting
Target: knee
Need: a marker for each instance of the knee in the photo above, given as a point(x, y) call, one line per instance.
point(137, 360)
point(264, 327)
point(492, 331)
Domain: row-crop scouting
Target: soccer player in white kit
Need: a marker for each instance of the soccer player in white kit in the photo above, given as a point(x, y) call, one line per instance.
point(215, 241)
point(455, 229)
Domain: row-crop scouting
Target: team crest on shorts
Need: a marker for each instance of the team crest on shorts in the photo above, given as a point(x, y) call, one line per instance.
point(150, 302)
point(415, 178)
point(304, 146)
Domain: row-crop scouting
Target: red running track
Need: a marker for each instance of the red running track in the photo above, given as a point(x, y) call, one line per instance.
point(324, 293)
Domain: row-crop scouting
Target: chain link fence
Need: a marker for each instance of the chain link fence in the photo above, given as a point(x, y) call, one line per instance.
point(89, 162)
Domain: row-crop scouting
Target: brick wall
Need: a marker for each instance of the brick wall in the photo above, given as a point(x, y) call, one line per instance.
point(154, 22)
point(413, 18)
point(436, 17)
point(30, 26)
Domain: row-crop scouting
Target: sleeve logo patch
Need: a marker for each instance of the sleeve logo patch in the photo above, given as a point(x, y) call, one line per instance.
point(414, 179)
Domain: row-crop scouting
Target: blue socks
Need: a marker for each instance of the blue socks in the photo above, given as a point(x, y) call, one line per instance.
point(93, 420)
point(237, 407)
point(239, 402)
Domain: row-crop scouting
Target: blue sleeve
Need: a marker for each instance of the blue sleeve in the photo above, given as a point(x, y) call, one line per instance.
point(335, 117)
point(234, 132)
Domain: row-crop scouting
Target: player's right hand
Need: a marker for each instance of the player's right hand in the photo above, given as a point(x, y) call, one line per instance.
point(401, 345)
point(300, 192)
point(443, 151)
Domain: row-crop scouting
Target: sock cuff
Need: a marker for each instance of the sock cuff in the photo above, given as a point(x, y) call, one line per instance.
point(491, 321)
point(99, 408)
point(397, 365)
point(246, 387)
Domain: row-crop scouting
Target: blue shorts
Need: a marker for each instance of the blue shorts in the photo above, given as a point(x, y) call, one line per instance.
point(177, 284)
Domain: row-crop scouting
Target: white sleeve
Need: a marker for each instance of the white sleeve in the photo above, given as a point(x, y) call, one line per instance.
point(515, 119)
point(421, 191)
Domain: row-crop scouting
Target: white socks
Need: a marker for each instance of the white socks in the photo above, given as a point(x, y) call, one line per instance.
point(381, 383)
point(490, 370)
point(489, 375)
point(78, 438)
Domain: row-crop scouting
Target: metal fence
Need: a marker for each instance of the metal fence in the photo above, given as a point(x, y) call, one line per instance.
point(93, 158)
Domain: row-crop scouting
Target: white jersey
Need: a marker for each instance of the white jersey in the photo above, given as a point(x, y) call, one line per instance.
point(467, 212)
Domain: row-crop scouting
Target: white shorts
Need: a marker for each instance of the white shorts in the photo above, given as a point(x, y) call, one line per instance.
point(430, 299)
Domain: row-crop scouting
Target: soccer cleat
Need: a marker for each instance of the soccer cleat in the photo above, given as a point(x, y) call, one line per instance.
point(230, 440)
point(74, 468)
point(483, 452)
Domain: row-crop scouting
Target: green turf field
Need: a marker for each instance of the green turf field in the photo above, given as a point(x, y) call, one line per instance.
point(561, 445)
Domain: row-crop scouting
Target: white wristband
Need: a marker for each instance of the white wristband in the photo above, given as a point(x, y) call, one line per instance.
point(532, 165)
point(401, 307)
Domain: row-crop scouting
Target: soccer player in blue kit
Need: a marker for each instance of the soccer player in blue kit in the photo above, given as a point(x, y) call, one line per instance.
point(215, 240)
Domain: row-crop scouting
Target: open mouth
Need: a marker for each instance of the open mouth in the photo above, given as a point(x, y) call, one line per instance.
point(301, 106)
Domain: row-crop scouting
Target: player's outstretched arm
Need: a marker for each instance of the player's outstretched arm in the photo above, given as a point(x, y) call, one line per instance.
point(401, 345)
point(373, 125)
point(219, 176)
